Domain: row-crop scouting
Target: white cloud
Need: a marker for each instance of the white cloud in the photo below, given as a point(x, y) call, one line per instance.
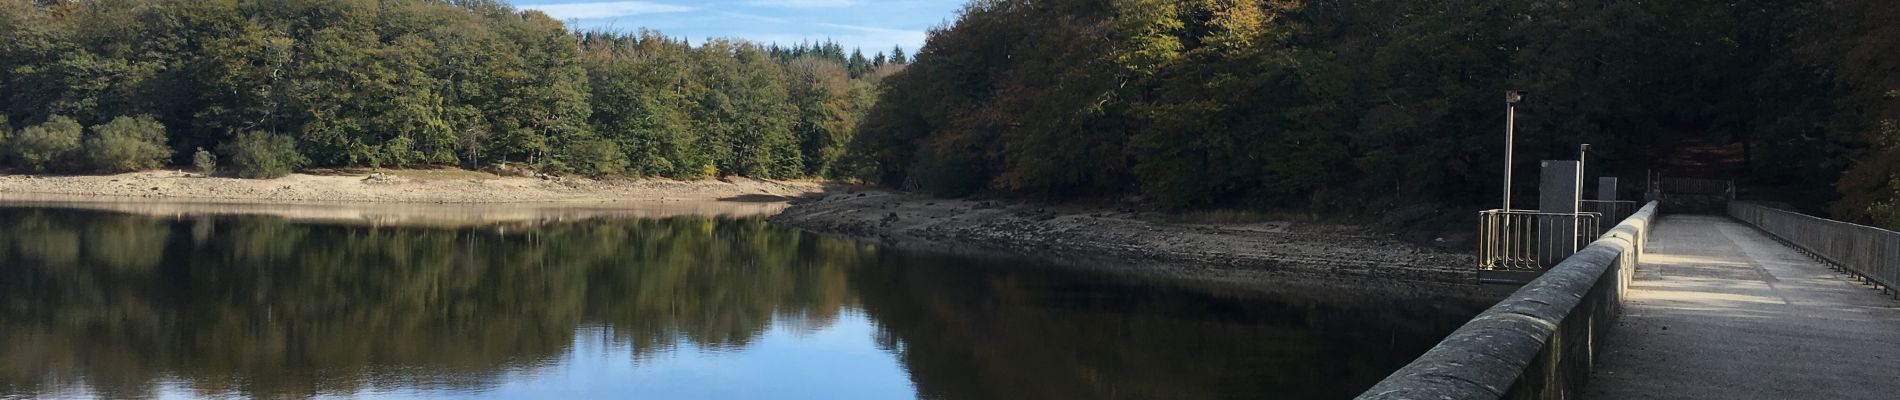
point(605, 9)
point(805, 3)
point(869, 39)
point(872, 29)
point(907, 38)
point(760, 18)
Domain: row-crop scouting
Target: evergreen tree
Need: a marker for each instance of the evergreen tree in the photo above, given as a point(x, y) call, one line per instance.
point(858, 65)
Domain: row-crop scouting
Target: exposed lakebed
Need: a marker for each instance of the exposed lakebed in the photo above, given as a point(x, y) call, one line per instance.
point(189, 304)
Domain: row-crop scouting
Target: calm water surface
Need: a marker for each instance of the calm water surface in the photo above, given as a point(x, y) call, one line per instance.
point(101, 304)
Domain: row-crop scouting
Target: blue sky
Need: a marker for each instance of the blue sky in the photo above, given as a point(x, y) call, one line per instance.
point(874, 25)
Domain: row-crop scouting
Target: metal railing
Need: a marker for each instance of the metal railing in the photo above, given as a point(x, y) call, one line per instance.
point(1693, 196)
point(1695, 186)
point(1530, 241)
point(1867, 252)
point(1611, 210)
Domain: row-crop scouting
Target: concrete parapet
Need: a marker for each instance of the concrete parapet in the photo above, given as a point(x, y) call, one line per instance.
point(1540, 342)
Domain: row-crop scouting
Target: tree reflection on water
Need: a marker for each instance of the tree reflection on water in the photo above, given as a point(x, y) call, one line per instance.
point(265, 307)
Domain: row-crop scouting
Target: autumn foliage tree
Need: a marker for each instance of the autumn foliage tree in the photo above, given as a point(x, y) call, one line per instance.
point(401, 83)
point(1364, 105)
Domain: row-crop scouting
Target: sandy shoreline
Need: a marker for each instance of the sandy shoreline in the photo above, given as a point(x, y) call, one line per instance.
point(1271, 255)
point(408, 198)
point(418, 186)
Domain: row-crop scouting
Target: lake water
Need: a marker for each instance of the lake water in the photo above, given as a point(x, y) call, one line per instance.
point(107, 304)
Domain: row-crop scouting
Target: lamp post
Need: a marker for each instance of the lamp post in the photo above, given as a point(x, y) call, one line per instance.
point(1511, 98)
point(1582, 151)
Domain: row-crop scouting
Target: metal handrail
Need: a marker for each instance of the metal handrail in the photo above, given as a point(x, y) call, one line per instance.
point(1709, 196)
point(1691, 186)
point(1513, 240)
point(1868, 252)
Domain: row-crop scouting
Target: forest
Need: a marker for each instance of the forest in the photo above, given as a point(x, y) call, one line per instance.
point(272, 86)
point(1350, 107)
point(1393, 107)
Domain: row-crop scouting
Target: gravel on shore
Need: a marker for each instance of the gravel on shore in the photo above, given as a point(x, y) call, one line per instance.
point(410, 186)
point(1267, 255)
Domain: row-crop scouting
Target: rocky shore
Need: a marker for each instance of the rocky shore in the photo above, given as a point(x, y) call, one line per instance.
point(1262, 255)
point(404, 186)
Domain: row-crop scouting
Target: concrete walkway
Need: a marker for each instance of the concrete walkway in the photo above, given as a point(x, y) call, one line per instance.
point(1719, 310)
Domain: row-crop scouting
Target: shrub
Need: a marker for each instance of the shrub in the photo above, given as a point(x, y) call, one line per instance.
point(399, 152)
point(127, 144)
point(6, 139)
point(594, 157)
point(204, 161)
point(51, 145)
point(264, 155)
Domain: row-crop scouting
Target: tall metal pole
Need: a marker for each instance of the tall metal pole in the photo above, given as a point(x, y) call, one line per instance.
point(1510, 139)
point(1582, 151)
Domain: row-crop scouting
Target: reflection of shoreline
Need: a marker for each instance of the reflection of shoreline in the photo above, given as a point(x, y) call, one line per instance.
point(403, 214)
point(115, 305)
point(1334, 262)
point(1050, 333)
point(1229, 282)
point(135, 306)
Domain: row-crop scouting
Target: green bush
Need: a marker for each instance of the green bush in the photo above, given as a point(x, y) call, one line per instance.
point(6, 139)
point(594, 157)
point(399, 152)
point(205, 161)
point(127, 144)
point(264, 155)
point(47, 146)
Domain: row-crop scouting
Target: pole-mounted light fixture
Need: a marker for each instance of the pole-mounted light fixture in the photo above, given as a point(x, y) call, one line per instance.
point(1511, 98)
point(1583, 151)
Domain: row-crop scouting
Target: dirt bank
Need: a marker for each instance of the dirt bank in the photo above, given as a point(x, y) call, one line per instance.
point(1265, 254)
point(407, 186)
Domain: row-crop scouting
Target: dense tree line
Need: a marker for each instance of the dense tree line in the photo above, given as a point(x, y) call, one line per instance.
point(1862, 46)
point(1367, 105)
point(724, 107)
point(1348, 105)
point(275, 85)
